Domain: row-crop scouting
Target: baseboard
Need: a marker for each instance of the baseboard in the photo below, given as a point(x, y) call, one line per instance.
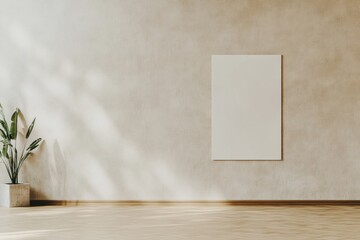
point(229, 203)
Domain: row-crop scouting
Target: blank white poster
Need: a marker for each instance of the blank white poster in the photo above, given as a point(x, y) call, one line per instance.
point(246, 107)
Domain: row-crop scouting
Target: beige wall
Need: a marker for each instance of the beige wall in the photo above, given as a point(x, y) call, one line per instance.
point(121, 90)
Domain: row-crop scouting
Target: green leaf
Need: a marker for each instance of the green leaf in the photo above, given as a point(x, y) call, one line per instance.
point(14, 116)
point(30, 129)
point(34, 144)
point(2, 111)
point(2, 133)
point(5, 151)
point(5, 126)
point(13, 128)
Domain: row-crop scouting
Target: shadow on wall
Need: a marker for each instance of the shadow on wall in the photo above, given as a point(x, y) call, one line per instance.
point(85, 154)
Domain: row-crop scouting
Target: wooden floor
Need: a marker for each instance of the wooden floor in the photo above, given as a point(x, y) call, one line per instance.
point(180, 221)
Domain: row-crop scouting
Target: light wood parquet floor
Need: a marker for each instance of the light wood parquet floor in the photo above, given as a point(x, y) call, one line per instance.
point(183, 221)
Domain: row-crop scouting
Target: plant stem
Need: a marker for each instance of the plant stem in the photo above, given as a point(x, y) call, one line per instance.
point(22, 152)
point(15, 150)
point(15, 179)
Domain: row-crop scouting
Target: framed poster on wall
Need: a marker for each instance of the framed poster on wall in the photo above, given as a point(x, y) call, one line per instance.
point(246, 107)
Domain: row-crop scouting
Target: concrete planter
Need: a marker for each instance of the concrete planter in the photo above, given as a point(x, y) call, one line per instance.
point(15, 195)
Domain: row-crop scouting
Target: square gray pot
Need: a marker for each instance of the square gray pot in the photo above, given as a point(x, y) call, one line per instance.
point(15, 195)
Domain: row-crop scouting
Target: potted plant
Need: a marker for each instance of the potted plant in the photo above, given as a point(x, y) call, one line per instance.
point(14, 194)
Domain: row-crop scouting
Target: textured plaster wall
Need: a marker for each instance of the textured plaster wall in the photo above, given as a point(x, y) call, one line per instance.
point(121, 91)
